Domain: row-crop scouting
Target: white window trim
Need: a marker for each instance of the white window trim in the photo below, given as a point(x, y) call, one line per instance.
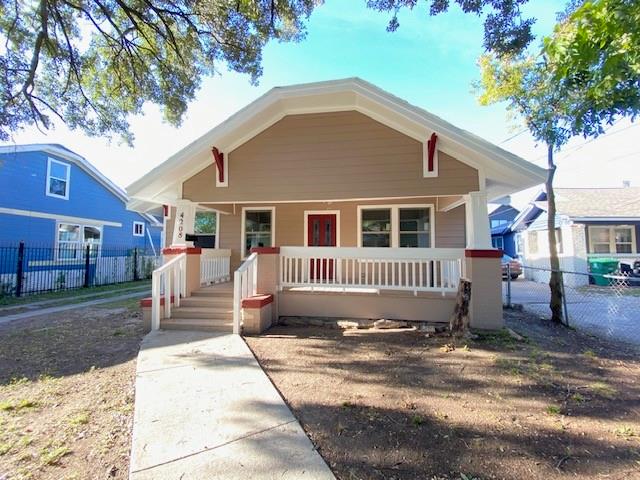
point(272, 209)
point(134, 229)
point(612, 239)
point(321, 212)
point(80, 242)
point(67, 180)
point(499, 240)
point(395, 221)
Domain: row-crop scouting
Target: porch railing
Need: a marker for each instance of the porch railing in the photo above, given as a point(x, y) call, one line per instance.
point(168, 280)
point(214, 266)
point(245, 283)
point(411, 269)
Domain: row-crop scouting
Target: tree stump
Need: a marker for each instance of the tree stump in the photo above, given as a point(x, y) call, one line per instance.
point(459, 320)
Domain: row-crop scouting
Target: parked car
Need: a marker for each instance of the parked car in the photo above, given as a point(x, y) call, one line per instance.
point(514, 267)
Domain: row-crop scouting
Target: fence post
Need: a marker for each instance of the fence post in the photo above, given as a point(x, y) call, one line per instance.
point(508, 285)
point(19, 269)
point(564, 300)
point(135, 264)
point(87, 265)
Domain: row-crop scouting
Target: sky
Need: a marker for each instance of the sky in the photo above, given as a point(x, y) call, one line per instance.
point(429, 61)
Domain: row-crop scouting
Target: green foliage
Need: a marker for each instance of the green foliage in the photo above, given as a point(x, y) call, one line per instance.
point(505, 31)
point(92, 64)
point(594, 58)
point(205, 222)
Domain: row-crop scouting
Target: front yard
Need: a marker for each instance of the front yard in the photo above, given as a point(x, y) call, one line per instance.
point(399, 405)
point(66, 393)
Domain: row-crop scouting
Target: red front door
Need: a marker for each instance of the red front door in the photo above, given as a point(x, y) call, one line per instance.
point(321, 232)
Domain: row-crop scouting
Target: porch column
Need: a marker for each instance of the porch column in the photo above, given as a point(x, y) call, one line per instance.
point(184, 223)
point(477, 220)
point(482, 266)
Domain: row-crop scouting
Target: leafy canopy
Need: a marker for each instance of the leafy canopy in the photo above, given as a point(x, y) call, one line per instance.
point(94, 63)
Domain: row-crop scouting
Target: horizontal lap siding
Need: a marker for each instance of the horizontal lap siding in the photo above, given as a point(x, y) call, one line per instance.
point(449, 226)
point(329, 156)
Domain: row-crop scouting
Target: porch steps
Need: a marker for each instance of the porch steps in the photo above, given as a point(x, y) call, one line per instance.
point(208, 308)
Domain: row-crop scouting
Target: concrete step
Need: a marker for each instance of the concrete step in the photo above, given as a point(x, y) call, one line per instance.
point(203, 324)
point(206, 292)
point(208, 302)
point(224, 313)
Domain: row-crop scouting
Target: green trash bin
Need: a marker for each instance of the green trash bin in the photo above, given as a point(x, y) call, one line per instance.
point(600, 267)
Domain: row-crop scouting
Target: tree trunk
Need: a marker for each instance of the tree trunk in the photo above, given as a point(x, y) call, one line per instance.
point(555, 280)
point(459, 320)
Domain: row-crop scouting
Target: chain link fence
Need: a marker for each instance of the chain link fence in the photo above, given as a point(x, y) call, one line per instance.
point(29, 269)
point(604, 305)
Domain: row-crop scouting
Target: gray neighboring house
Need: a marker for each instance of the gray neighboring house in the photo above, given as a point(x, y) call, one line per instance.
point(590, 223)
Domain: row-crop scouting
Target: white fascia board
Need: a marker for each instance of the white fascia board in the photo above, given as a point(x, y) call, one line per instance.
point(605, 219)
point(338, 95)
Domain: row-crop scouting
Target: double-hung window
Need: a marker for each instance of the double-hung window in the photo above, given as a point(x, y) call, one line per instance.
point(257, 228)
point(73, 241)
point(138, 229)
point(58, 175)
point(396, 226)
point(612, 239)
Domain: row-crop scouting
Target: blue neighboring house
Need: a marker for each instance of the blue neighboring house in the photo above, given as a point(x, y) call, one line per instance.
point(50, 195)
point(502, 234)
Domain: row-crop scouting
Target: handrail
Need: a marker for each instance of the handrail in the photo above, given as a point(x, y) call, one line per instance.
point(245, 283)
point(174, 270)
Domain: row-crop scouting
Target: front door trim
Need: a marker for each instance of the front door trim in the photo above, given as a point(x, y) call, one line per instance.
point(321, 212)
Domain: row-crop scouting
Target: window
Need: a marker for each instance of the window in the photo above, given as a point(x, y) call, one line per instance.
point(533, 243)
point(258, 229)
point(497, 242)
point(73, 241)
point(519, 243)
point(559, 240)
point(498, 223)
point(376, 227)
point(205, 223)
point(395, 226)
point(138, 229)
point(612, 239)
point(58, 179)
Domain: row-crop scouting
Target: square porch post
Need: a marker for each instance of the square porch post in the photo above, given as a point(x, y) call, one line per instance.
point(482, 265)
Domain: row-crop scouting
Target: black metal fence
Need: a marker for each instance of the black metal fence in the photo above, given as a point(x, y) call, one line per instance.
point(28, 269)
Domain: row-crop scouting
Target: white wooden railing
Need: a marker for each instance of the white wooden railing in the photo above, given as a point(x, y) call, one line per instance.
point(214, 265)
point(168, 280)
point(245, 282)
point(412, 269)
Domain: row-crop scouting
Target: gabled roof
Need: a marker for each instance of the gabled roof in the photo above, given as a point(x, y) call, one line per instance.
point(503, 171)
point(67, 154)
point(584, 203)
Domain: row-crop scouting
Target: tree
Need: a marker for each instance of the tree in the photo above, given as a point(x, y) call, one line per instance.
point(92, 64)
point(505, 31)
point(527, 86)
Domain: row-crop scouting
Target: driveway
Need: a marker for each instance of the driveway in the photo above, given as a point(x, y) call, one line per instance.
point(605, 312)
point(205, 409)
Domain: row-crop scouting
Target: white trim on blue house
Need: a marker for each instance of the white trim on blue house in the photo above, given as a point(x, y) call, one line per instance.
point(54, 216)
point(136, 224)
point(67, 179)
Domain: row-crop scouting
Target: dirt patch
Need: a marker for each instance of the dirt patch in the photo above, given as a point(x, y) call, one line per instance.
point(395, 404)
point(66, 394)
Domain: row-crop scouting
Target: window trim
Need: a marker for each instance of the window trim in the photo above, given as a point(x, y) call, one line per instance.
point(501, 242)
point(612, 239)
point(395, 221)
point(135, 224)
point(271, 209)
point(217, 232)
point(49, 177)
point(80, 242)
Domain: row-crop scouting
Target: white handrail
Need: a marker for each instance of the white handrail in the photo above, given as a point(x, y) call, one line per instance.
point(245, 283)
point(214, 266)
point(172, 278)
point(412, 269)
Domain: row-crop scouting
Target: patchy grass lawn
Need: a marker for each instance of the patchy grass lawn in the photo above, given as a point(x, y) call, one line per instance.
point(398, 405)
point(66, 393)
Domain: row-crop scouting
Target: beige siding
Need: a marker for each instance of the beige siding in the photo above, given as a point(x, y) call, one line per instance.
point(329, 156)
point(289, 231)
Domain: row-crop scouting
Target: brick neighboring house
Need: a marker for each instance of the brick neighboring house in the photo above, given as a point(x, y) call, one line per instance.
point(590, 223)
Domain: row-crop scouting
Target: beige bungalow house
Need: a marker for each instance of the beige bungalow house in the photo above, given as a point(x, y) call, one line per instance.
point(330, 199)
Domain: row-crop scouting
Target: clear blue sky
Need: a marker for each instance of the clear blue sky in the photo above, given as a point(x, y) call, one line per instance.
point(429, 61)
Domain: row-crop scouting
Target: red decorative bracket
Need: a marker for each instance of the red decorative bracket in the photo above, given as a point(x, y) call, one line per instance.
point(431, 152)
point(218, 156)
point(165, 210)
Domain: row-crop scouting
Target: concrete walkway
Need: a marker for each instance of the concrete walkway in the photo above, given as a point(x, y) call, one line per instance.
point(204, 409)
point(71, 306)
